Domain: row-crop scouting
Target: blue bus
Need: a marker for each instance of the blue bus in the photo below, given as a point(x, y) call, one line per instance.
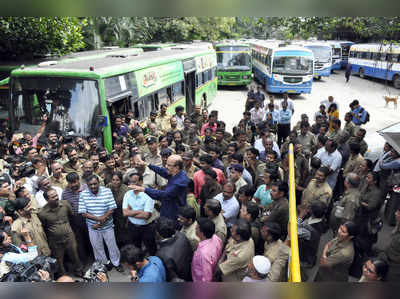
point(322, 58)
point(376, 61)
point(283, 69)
point(345, 45)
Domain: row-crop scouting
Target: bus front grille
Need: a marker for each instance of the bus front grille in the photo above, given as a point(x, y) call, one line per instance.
point(232, 77)
point(292, 79)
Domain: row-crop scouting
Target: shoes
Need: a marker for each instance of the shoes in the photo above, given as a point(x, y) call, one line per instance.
point(120, 269)
point(109, 266)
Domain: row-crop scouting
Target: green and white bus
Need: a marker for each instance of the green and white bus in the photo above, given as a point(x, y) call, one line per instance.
point(234, 63)
point(82, 96)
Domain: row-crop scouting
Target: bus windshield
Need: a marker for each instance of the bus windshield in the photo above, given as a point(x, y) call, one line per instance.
point(336, 52)
point(292, 65)
point(233, 57)
point(321, 53)
point(71, 104)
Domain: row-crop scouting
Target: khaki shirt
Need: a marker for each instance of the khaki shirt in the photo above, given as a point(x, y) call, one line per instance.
point(56, 224)
point(237, 257)
point(322, 192)
point(353, 164)
point(239, 184)
point(61, 182)
point(372, 195)
point(220, 227)
point(190, 172)
point(100, 168)
point(190, 233)
point(67, 168)
point(278, 254)
point(163, 122)
point(153, 159)
point(307, 141)
point(334, 134)
point(37, 233)
point(339, 259)
point(351, 202)
point(350, 127)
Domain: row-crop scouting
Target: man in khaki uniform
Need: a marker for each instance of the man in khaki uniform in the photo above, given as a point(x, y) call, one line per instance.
point(237, 254)
point(55, 217)
point(189, 167)
point(57, 178)
point(163, 119)
point(306, 139)
point(349, 126)
point(29, 220)
point(276, 251)
point(235, 175)
point(98, 166)
point(212, 210)
point(153, 155)
point(335, 133)
point(345, 209)
point(359, 138)
point(187, 218)
point(278, 211)
point(317, 189)
point(355, 159)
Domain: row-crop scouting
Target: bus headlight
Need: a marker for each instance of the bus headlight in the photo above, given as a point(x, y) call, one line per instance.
point(219, 77)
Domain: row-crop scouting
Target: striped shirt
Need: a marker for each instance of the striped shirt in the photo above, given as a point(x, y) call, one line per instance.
point(72, 198)
point(97, 205)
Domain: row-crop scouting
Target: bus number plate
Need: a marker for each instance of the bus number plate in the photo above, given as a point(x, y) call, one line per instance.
point(291, 91)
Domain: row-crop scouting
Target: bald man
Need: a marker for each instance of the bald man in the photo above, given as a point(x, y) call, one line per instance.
point(65, 278)
point(174, 194)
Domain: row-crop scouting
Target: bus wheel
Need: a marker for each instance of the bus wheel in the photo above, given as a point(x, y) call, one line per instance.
point(396, 81)
point(318, 78)
point(361, 73)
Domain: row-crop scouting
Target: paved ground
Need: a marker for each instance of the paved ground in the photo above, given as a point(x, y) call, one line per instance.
point(369, 92)
point(230, 104)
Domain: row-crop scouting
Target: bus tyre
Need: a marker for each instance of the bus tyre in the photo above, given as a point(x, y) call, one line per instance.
point(318, 78)
point(396, 81)
point(361, 73)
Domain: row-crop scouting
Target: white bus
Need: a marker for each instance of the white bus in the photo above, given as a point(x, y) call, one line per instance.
point(377, 61)
point(283, 69)
point(336, 54)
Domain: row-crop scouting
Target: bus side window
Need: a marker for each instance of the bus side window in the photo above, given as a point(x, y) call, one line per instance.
point(203, 77)
point(156, 103)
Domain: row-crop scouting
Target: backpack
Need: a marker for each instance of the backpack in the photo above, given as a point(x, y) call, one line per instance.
point(366, 117)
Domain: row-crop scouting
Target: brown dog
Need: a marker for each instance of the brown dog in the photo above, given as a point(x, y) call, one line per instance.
point(389, 99)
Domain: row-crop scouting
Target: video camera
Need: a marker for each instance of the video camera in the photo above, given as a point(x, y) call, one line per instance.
point(28, 272)
point(91, 273)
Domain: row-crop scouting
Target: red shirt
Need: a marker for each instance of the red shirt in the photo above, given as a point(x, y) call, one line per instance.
point(199, 179)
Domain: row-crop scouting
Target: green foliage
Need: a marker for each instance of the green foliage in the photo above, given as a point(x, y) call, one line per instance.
point(24, 37)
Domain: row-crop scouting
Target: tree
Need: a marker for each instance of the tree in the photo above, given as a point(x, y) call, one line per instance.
point(25, 37)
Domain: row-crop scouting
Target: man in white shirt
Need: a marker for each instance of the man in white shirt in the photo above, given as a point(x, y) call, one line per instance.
point(229, 203)
point(257, 113)
point(45, 185)
point(327, 103)
point(264, 143)
point(331, 158)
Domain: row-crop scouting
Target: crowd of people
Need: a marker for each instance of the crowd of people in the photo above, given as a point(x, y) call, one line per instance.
point(181, 199)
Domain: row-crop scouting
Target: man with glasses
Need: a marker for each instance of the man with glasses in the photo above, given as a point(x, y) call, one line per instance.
point(174, 194)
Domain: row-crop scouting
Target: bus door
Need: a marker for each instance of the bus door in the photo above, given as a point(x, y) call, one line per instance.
point(190, 81)
point(189, 68)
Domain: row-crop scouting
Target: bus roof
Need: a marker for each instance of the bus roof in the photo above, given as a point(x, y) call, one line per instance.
point(278, 46)
point(111, 64)
point(155, 45)
point(395, 49)
point(241, 44)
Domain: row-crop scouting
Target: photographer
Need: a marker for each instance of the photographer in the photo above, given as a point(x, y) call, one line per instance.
point(12, 253)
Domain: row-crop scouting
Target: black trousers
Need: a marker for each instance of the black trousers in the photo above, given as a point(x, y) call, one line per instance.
point(79, 226)
point(145, 234)
point(283, 132)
